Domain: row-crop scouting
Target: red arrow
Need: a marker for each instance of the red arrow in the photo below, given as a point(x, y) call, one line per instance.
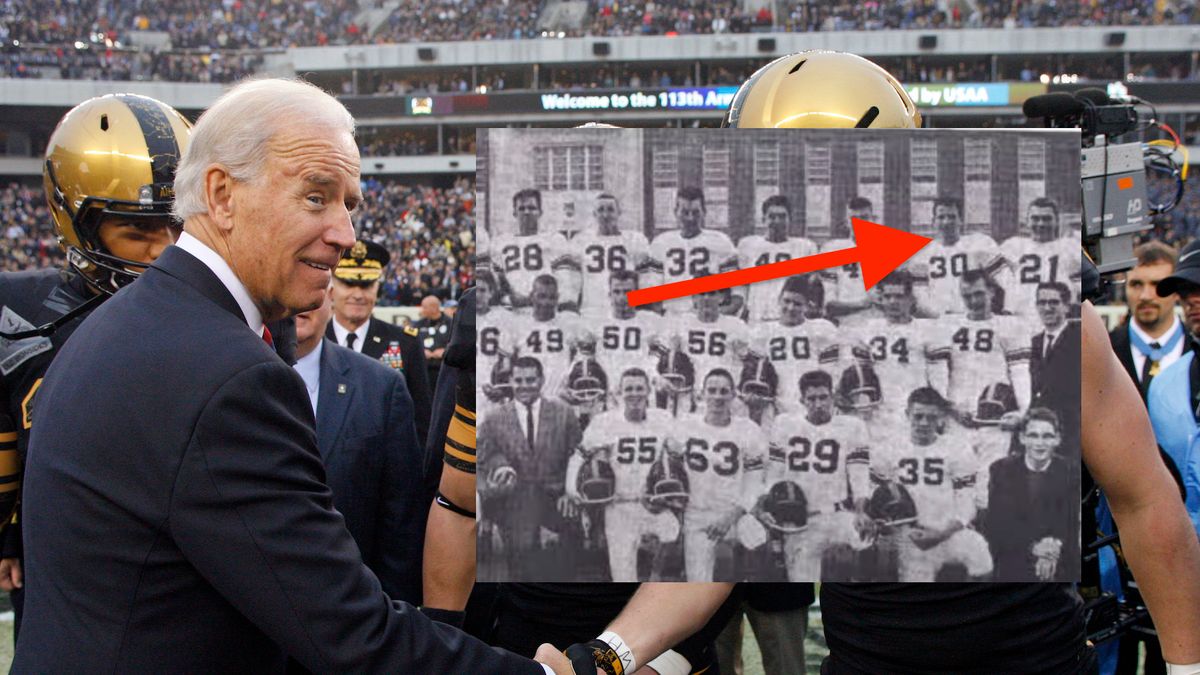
point(880, 250)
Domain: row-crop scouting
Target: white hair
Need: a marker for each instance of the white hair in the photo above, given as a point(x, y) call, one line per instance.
point(235, 130)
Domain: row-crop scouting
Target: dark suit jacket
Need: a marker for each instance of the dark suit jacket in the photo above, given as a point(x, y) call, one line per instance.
point(177, 517)
point(541, 470)
point(1056, 379)
point(381, 336)
point(1018, 516)
point(373, 465)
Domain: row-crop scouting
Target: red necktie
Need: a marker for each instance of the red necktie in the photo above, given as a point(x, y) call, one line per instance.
point(267, 337)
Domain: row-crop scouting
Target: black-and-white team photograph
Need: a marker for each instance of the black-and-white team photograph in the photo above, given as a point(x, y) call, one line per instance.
point(798, 429)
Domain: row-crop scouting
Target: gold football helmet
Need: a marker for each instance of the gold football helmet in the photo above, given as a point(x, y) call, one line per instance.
point(111, 156)
point(822, 89)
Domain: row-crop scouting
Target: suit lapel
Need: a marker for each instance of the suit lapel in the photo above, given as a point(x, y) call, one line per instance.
point(334, 397)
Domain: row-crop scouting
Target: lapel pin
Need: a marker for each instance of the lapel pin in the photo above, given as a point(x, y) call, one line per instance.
point(376, 338)
point(341, 388)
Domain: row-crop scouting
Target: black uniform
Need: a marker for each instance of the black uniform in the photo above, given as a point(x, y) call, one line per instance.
point(29, 299)
point(399, 348)
point(434, 334)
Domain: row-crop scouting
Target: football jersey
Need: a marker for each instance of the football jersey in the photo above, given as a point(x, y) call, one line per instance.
point(724, 464)
point(601, 255)
point(624, 343)
point(931, 473)
point(681, 258)
point(550, 342)
point(1034, 263)
point(633, 447)
point(898, 352)
point(524, 258)
point(763, 299)
point(815, 457)
point(494, 340)
point(979, 353)
point(843, 284)
point(793, 350)
point(943, 265)
point(711, 345)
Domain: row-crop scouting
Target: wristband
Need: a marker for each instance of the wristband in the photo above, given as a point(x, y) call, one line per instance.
point(587, 657)
point(671, 662)
point(622, 650)
point(1189, 669)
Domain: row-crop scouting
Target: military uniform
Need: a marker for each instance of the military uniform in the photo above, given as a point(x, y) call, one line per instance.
point(395, 346)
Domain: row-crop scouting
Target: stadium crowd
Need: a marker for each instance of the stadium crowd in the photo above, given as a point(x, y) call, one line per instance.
point(428, 231)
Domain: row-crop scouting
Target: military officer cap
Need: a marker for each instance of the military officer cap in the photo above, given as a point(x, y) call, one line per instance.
point(363, 263)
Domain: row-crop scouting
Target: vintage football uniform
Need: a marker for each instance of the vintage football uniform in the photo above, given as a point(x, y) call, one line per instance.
point(943, 266)
point(680, 258)
point(898, 353)
point(524, 258)
point(632, 449)
point(762, 297)
point(825, 460)
point(601, 255)
point(495, 342)
point(724, 466)
point(941, 478)
point(844, 284)
point(551, 342)
point(1034, 263)
point(793, 350)
point(712, 345)
point(977, 353)
point(623, 343)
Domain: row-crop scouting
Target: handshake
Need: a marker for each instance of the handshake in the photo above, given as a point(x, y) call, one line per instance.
point(608, 655)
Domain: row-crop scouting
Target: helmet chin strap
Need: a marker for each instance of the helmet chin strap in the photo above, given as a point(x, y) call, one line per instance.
point(49, 329)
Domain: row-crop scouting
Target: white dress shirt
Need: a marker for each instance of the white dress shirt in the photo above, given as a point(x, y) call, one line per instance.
point(522, 413)
point(340, 333)
point(224, 272)
point(1170, 357)
point(309, 367)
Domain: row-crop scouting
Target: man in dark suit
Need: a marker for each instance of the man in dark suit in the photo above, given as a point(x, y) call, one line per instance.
point(530, 439)
point(176, 508)
point(369, 446)
point(1152, 337)
point(434, 330)
point(1055, 363)
point(355, 290)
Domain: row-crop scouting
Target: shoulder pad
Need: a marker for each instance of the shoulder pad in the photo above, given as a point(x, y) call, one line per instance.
point(409, 330)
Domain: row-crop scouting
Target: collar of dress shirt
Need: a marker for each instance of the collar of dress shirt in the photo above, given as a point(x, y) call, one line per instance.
point(340, 332)
point(309, 368)
point(224, 272)
point(1162, 339)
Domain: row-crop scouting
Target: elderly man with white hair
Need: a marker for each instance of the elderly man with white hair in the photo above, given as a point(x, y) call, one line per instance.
point(176, 510)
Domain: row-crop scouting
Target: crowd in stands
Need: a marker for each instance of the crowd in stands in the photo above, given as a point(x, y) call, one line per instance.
point(428, 230)
point(27, 239)
point(70, 63)
point(449, 20)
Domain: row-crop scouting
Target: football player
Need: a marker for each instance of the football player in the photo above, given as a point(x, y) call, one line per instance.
point(951, 255)
point(827, 456)
point(632, 439)
point(712, 339)
point(980, 348)
point(495, 340)
point(607, 250)
point(845, 290)
point(794, 342)
point(108, 176)
point(896, 338)
point(530, 253)
point(1047, 255)
point(623, 335)
point(692, 251)
point(775, 246)
point(938, 469)
point(550, 336)
point(724, 457)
